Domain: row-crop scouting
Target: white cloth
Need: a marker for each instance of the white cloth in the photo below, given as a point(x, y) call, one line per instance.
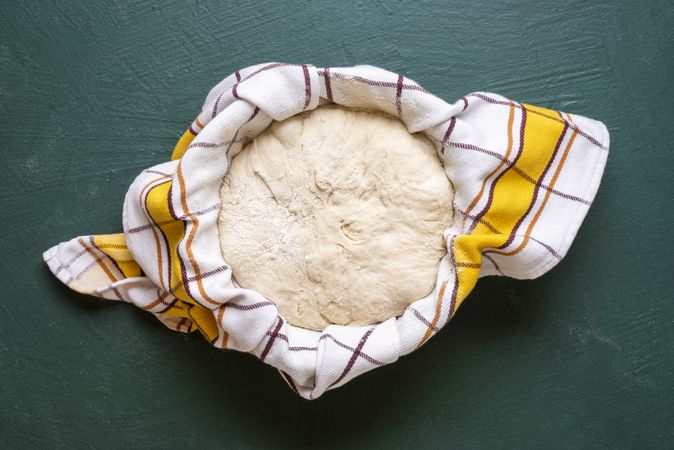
point(524, 179)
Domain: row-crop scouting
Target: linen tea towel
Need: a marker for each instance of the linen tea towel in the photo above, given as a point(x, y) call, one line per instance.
point(524, 178)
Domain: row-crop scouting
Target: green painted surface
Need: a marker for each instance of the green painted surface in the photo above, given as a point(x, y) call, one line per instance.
point(92, 92)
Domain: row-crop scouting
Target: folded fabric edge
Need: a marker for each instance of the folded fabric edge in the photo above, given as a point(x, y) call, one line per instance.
point(60, 269)
point(134, 290)
point(576, 220)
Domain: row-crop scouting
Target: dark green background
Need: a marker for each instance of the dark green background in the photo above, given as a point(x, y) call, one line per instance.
point(92, 92)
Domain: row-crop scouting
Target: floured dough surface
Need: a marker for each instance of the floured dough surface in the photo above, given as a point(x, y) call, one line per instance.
point(337, 216)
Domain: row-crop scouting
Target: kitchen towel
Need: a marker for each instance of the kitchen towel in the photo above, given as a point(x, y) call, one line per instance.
point(524, 178)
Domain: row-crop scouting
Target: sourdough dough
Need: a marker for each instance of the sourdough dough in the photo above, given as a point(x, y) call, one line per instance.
point(337, 216)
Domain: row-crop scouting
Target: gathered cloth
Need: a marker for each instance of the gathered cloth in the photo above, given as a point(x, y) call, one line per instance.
point(524, 179)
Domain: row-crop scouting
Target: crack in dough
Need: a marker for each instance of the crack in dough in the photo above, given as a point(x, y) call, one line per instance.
point(337, 216)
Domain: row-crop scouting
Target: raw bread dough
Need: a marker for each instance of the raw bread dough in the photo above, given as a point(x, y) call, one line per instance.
point(337, 216)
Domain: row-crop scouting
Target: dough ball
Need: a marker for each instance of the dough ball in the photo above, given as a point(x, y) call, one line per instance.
point(337, 216)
